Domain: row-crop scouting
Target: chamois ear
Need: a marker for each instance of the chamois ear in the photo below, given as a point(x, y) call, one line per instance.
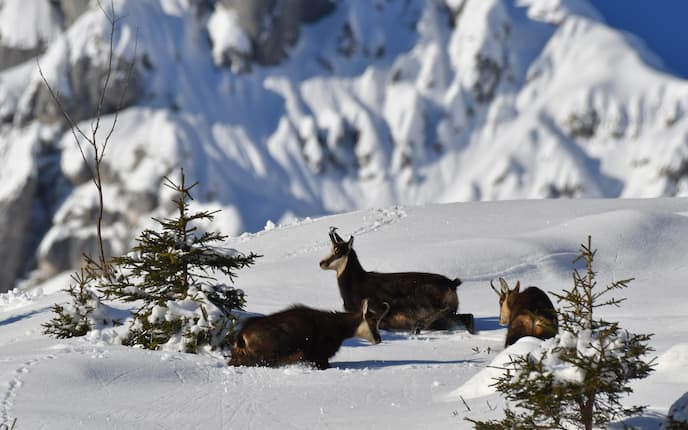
point(350, 243)
point(364, 307)
point(517, 287)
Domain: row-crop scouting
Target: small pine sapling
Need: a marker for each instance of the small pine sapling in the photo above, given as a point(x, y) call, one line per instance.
point(85, 312)
point(169, 273)
point(578, 377)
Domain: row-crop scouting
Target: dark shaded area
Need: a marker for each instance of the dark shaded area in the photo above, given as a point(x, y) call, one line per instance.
point(378, 364)
point(274, 25)
point(17, 318)
point(487, 324)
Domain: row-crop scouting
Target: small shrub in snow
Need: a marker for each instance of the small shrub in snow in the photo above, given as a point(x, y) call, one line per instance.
point(85, 312)
point(579, 376)
point(169, 274)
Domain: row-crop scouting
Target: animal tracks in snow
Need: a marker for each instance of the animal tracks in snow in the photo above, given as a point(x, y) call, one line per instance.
point(15, 383)
point(530, 265)
point(373, 220)
point(17, 378)
point(377, 218)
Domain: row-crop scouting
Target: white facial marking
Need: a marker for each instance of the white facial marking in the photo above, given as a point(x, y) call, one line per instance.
point(363, 331)
point(504, 313)
point(339, 265)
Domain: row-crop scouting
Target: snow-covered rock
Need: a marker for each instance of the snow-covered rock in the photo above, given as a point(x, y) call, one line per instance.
point(76, 67)
point(262, 30)
point(18, 185)
point(25, 37)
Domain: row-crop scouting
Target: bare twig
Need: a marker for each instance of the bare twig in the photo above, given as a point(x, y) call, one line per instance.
point(98, 147)
point(130, 72)
point(468, 408)
point(55, 95)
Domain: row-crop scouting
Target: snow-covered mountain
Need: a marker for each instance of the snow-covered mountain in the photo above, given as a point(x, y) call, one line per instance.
point(286, 109)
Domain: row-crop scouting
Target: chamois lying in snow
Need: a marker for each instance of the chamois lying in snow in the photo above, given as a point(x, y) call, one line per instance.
point(525, 313)
point(300, 334)
point(416, 300)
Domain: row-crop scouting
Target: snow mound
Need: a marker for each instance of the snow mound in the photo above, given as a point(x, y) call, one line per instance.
point(675, 358)
point(679, 413)
point(480, 384)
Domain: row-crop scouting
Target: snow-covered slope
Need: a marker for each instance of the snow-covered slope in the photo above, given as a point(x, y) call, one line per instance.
point(406, 382)
point(311, 107)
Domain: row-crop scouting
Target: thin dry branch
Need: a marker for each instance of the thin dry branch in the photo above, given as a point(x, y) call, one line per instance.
point(98, 148)
point(74, 128)
point(112, 19)
point(130, 72)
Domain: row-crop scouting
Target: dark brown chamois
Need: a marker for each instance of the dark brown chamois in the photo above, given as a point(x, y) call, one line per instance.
point(525, 313)
point(416, 300)
point(300, 334)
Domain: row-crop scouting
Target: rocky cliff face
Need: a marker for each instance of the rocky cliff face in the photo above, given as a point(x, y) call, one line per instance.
point(29, 27)
point(273, 26)
point(18, 214)
point(293, 108)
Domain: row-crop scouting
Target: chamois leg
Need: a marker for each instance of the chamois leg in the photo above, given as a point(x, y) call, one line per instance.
point(467, 320)
point(322, 363)
point(397, 321)
point(428, 322)
point(455, 321)
point(293, 358)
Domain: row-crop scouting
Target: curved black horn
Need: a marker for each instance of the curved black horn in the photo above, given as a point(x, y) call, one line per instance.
point(334, 237)
point(384, 314)
point(493, 287)
point(332, 233)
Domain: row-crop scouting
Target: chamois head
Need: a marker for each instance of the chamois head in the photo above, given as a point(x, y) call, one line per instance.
point(369, 328)
point(339, 255)
point(507, 298)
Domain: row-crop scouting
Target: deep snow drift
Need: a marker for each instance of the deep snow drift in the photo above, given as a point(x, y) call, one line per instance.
point(408, 381)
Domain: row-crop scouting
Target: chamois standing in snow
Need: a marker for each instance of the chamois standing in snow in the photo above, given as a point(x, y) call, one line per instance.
point(525, 313)
point(416, 300)
point(300, 334)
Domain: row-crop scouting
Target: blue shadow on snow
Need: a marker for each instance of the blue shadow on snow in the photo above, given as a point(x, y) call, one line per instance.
point(647, 421)
point(487, 324)
point(17, 318)
point(379, 364)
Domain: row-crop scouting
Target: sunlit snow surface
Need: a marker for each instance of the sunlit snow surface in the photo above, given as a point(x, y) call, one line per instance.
point(408, 381)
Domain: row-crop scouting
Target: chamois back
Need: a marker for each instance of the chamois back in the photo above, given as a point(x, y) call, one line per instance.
point(300, 334)
point(417, 300)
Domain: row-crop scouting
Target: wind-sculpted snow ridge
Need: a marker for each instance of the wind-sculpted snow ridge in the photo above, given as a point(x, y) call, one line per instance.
point(366, 104)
